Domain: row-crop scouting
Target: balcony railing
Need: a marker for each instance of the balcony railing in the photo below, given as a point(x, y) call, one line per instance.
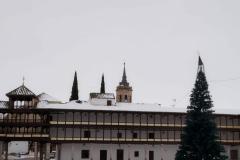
point(133, 124)
point(23, 121)
point(24, 135)
point(142, 140)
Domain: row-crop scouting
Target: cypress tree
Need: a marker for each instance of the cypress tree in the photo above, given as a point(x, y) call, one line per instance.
point(74, 95)
point(102, 90)
point(199, 140)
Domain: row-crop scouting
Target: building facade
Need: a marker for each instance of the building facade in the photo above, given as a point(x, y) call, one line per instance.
point(122, 130)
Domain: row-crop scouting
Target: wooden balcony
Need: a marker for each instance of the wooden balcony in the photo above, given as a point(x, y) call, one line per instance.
point(23, 123)
point(129, 140)
point(114, 124)
point(24, 137)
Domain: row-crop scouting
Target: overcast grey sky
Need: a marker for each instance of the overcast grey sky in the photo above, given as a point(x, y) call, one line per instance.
point(46, 41)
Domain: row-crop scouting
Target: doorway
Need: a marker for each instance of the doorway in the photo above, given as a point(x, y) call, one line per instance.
point(103, 154)
point(151, 155)
point(120, 154)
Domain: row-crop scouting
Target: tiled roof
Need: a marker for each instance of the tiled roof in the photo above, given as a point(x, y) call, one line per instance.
point(3, 104)
point(21, 91)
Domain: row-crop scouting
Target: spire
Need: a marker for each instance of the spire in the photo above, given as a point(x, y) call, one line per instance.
point(102, 90)
point(74, 95)
point(124, 78)
point(200, 65)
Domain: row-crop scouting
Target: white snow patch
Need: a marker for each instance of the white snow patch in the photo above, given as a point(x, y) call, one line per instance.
point(48, 98)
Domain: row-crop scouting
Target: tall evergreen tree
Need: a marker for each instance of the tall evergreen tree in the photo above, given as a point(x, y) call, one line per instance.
point(199, 140)
point(102, 90)
point(74, 95)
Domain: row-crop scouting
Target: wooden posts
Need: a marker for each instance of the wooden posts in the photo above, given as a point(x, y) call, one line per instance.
point(1, 148)
point(47, 151)
point(5, 144)
point(41, 151)
point(35, 150)
point(58, 153)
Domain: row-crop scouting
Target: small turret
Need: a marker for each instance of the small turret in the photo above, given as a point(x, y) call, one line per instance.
point(22, 97)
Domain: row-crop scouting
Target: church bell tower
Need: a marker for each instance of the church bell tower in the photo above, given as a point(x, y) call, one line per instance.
point(124, 91)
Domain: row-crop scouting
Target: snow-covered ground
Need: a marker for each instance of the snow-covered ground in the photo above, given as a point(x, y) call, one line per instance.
point(23, 157)
point(18, 147)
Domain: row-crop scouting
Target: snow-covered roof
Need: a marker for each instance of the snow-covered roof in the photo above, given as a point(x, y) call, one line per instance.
point(102, 95)
point(48, 98)
point(131, 107)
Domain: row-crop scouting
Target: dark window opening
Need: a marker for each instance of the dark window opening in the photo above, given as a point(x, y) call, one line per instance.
point(119, 135)
point(120, 154)
point(135, 135)
point(136, 154)
point(87, 134)
point(151, 135)
point(126, 98)
point(109, 103)
point(103, 154)
point(50, 118)
point(151, 155)
point(120, 98)
point(85, 154)
point(234, 155)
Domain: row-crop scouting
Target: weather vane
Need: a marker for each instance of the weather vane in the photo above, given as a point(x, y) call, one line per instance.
point(23, 80)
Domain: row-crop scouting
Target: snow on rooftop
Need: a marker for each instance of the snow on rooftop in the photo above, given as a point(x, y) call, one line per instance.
point(102, 95)
point(138, 107)
point(47, 97)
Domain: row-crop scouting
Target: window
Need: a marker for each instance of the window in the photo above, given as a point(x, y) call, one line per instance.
point(135, 135)
point(120, 98)
point(50, 118)
point(109, 102)
point(119, 135)
point(234, 154)
point(126, 98)
point(151, 135)
point(85, 154)
point(136, 154)
point(87, 134)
